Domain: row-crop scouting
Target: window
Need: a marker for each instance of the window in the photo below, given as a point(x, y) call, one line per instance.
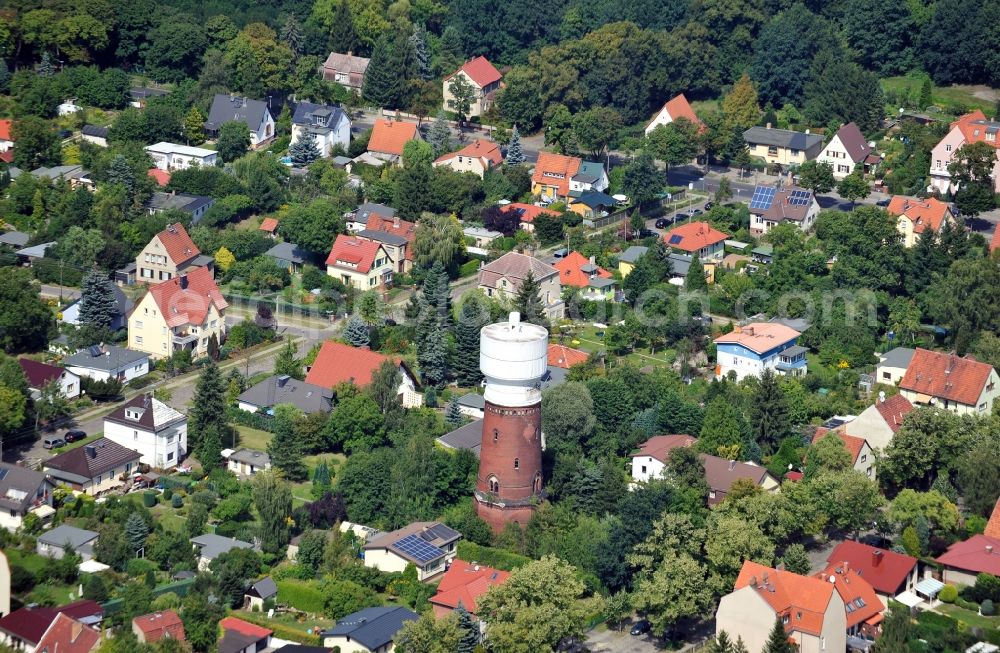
point(864, 458)
point(643, 469)
point(517, 464)
point(135, 435)
point(496, 435)
point(494, 484)
point(170, 456)
point(886, 375)
point(138, 324)
point(947, 148)
point(138, 340)
point(772, 151)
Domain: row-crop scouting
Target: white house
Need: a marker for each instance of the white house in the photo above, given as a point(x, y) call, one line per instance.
point(651, 458)
point(255, 114)
point(246, 462)
point(95, 134)
point(152, 428)
point(103, 362)
point(23, 491)
point(892, 365)
point(676, 107)
point(40, 375)
point(847, 151)
point(327, 124)
point(171, 156)
point(429, 546)
point(749, 350)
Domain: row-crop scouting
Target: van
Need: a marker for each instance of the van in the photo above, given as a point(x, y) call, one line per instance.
point(53, 443)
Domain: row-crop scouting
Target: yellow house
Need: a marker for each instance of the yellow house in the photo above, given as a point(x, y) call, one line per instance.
point(477, 157)
point(180, 314)
point(485, 81)
point(914, 216)
point(628, 259)
point(361, 263)
point(783, 146)
point(169, 253)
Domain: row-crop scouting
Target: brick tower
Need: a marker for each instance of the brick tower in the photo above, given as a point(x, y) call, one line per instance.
point(513, 358)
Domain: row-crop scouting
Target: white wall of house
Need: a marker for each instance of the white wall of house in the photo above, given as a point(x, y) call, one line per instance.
point(264, 132)
point(69, 384)
point(127, 373)
point(385, 560)
point(4, 586)
point(645, 468)
point(162, 449)
point(837, 156)
point(341, 135)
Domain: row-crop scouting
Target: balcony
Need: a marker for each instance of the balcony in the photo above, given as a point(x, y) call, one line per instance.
point(492, 499)
point(184, 341)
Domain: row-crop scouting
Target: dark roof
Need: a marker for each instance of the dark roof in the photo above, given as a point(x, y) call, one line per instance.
point(180, 201)
point(679, 264)
point(468, 436)
point(232, 108)
point(472, 400)
point(92, 460)
point(594, 199)
point(94, 130)
point(235, 642)
point(142, 93)
point(107, 358)
point(721, 473)
point(317, 115)
point(854, 142)
point(18, 486)
point(383, 237)
point(211, 546)
point(897, 357)
point(265, 588)
point(301, 648)
point(368, 208)
point(276, 390)
point(14, 238)
point(30, 624)
point(145, 411)
point(64, 535)
point(249, 456)
point(39, 374)
point(782, 138)
point(372, 627)
point(632, 254)
point(288, 252)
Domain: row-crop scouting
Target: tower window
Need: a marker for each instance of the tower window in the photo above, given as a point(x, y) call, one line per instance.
point(517, 464)
point(494, 484)
point(496, 434)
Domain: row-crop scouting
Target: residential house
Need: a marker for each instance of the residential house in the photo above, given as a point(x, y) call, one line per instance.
point(862, 454)
point(650, 460)
point(269, 226)
point(40, 375)
point(749, 350)
point(880, 421)
point(151, 628)
point(23, 629)
point(590, 176)
point(185, 312)
point(463, 585)
point(478, 239)
point(485, 81)
point(889, 573)
point(326, 124)
point(361, 263)
point(23, 490)
point(565, 357)
point(357, 220)
point(396, 237)
point(161, 177)
point(628, 259)
point(56, 542)
point(472, 404)
point(67, 635)
point(676, 107)
point(74, 174)
point(347, 70)
point(4, 585)
point(558, 177)
point(468, 436)
point(862, 605)
point(527, 213)
point(94, 468)
point(774, 205)
point(811, 610)
point(193, 205)
point(696, 238)
point(337, 363)
point(149, 426)
point(283, 389)
point(71, 314)
point(721, 473)
point(593, 281)
point(848, 151)
point(961, 385)
point(168, 254)
point(140, 95)
point(915, 216)
point(210, 546)
point(429, 546)
point(388, 138)
point(477, 157)
point(240, 636)
point(763, 254)
point(171, 156)
point(252, 113)
point(28, 255)
point(103, 362)
point(973, 127)
point(502, 279)
point(245, 462)
point(288, 256)
point(592, 204)
point(6, 141)
point(370, 630)
point(15, 239)
point(263, 590)
point(95, 135)
point(964, 560)
point(892, 365)
point(783, 146)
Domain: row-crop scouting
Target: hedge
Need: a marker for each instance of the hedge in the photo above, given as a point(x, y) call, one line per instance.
point(280, 630)
point(301, 594)
point(253, 420)
point(485, 555)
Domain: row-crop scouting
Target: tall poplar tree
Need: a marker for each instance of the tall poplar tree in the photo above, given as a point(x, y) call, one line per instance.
point(769, 420)
point(285, 448)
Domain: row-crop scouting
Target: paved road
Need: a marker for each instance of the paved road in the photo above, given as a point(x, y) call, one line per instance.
point(609, 641)
point(51, 290)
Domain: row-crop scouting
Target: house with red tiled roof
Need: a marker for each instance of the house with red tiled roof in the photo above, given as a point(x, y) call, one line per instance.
point(593, 281)
point(184, 312)
point(676, 107)
point(696, 238)
point(339, 363)
point(463, 584)
point(887, 572)
point(269, 226)
point(862, 605)
point(914, 216)
point(564, 357)
point(862, 455)
point(168, 254)
point(153, 627)
point(993, 525)
point(558, 177)
point(961, 385)
point(527, 213)
point(359, 262)
point(24, 628)
point(963, 561)
point(651, 458)
point(811, 609)
point(485, 80)
point(502, 279)
point(973, 127)
point(880, 421)
point(161, 177)
point(388, 138)
point(240, 636)
point(477, 157)
point(40, 375)
point(848, 151)
point(67, 635)
point(6, 141)
point(396, 237)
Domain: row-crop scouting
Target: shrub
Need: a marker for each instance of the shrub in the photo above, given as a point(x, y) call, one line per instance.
point(301, 595)
point(21, 579)
point(986, 608)
point(139, 567)
point(168, 494)
point(280, 630)
point(177, 501)
point(149, 499)
point(949, 594)
point(491, 557)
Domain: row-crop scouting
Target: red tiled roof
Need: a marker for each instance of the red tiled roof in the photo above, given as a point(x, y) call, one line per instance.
point(30, 624)
point(188, 305)
point(946, 376)
point(693, 236)
point(893, 410)
point(679, 107)
point(528, 212)
point(555, 170)
point(659, 447)
point(178, 243)
point(853, 443)
point(478, 148)
point(465, 582)
point(480, 71)
point(245, 627)
point(993, 525)
point(39, 374)
point(158, 625)
point(978, 554)
point(5, 130)
point(161, 177)
point(860, 601)
point(354, 254)
point(924, 213)
point(8, 156)
point(974, 127)
point(389, 136)
point(402, 228)
point(571, 270)
point(269, 225)
point(67, 635)
point(337, 363)
point(759, 337)
point(803, 598)
point(565, 357)
point(884, 570)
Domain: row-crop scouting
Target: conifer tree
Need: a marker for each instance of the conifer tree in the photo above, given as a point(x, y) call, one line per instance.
point(194, 127)
point(418, 41)
point(433, 358)
point(343, 38)
point(515, 155)
point(321, 480)
point(303, 151)
point(471, 319)
point(777, 641)
point(213, 347)
point(285, 448)
point(272, 497)
point(97, 300)
point(209, 451)
point(209, 408)
point(4, 76)
point(469, 630)
point(695, 280)
point(769, 420)
point(452, 414)
point(285, 363)
point(356, 332)
point(45, 65)
point(439, 135)
point(721, 643)
point(291, 34)
point(528, 303)
point(120, 172)
point(383, 80)
point(136, 531)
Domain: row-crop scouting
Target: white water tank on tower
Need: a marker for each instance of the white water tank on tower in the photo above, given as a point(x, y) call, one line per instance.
point(513, 356)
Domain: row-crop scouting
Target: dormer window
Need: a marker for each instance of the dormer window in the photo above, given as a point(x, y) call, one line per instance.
point(134, 414)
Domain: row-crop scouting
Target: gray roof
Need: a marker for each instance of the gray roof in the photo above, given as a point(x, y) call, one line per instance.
point(346, 63)
point(64, 535)
point(122, 302)
point(594, 199)
point(797, 323)
point(236, 642)
point(898, 357)
point(679, 264)
point(468, 436)
point(366, 209)
point(383, 237)
point(180, 201)
point(107, 358)
point(287, 252)
point(18, 486)
point(140, 93)
point(795, 350)
point(66, 172)
point(782, 138)
point(322, 116)
point(514, 266)
point(212, 546)
point(251, 457)
point(85, 463)
point(35, 251)
point(283, 389)
point(200, 261)
point(14, 238)
point(372, 627)
point(232, 108)
point(632, 254)
point(472, 400)
point(265, 588)
point(94, 130)
point(588, 172)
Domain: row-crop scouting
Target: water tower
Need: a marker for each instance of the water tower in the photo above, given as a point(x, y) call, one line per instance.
point(513, 356)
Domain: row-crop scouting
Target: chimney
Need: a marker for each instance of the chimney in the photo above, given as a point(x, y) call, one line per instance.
point(282, 380)
point(732, 466)
point(91, 451)
point(877, 556)
point(748, 330)
point(183, 281)
point(593, 260)
point(989, 548)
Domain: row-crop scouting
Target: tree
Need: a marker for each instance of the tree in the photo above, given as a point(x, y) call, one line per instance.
point(925, 93)
point(971, 170)
point(463, 95)
point(384, 387)
point(411, 197)
point(897, 631)
point(272, 497)
point(418, 42)
point(304, 151)
point(439, 135)
point(286, 363)
point(783, 52)
point(817, 177)
point(439, 238)
point(285, 448)
point(675, 143)
point(291, 34)
point(777, 641)
point(740, 107)
point(343, 38)
point(964, 298)
point(136, 531)
point(515, 155)
point(98, 303)
point(311, 226)
point(641, 181)
point(596, 129)
point(37, 143)
point(224, 259)
point(194, 127)
point(695, 280)
point(432, 358)
point(769, 421)
point(356, 332)
point(796, 559)
point(472, 317)
point(528, 302)
point(829, 454)
point(233, 141)
point(723, 193)
point(387, 72)
point(721, 427)
point(430, 635)
point(568, 417)
point(259, 61)
point(174, 49)
point(469, 630)
point(356, 425)
point(678, 589)
point(24, 319)
point(208, 411)
point(853, 187)
point(453, 415)
point(201, 614)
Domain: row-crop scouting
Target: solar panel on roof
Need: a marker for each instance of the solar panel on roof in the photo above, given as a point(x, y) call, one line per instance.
point(415, 547)
point(762, 198)
point(675, 239)
point(799, 198)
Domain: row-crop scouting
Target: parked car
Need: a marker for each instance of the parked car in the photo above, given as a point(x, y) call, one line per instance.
point(53, 443)
point(697, 212)
point(663, 223)
point(709, 205)
point(681, 216)
point(883, 202)
point(647, 233)
point(639, 628)
point(75, 435)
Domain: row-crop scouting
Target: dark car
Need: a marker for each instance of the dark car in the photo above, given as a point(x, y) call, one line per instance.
point(681, 216)
point(883, 202)
point(663, 223)
point(53, 443)
point(697, 212)
point(708, 206)
point(646, 233)
point(639, 628)
point(74, 436)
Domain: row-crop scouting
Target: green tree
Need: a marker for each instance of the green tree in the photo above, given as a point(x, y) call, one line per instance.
point(769, 421)
point(208, 411)
point(384, 389)
point(721, 427)
point(201, 615)
point(925, 93)
point(472, 317)
point(25, 320)
point(463, 94)
point(98, 306)
point(777, 641)
point(272, 497)
point(740, 106)
point(136, 531)
point(51, 403)
point(37, 143)
point(641, 181)
point(796, 559)
point(783, 52)
point(528, 301)
point(723, 193)
point(468, 629)
point(898, 632)
point(194, 127)
point(971, 171)
point(304, 151)
point(829, 454)
point(695, 280)
point(677, 590)
point(853, 187)
point(439, 135)
point(453, 415)
point(411, 197)
point(286, 363)
point(515, 155)
point(963, 298)
point(356, 425)
point(675, 143)
point(285, 448)
point(559, 127)
point(312, 226)
point(233, 141)
point(343, 38)
point(430, 635)
point(432, 357)
point(595, 129)
point(817, 177)
point(568, 417)
point(356, 332)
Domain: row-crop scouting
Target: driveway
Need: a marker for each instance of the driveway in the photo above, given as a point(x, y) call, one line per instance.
point(610, 641)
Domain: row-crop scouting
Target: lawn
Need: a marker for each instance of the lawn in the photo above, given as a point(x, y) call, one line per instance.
point(256, 439)
point(586, 338)
point(973, 619)
point(953, 99)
